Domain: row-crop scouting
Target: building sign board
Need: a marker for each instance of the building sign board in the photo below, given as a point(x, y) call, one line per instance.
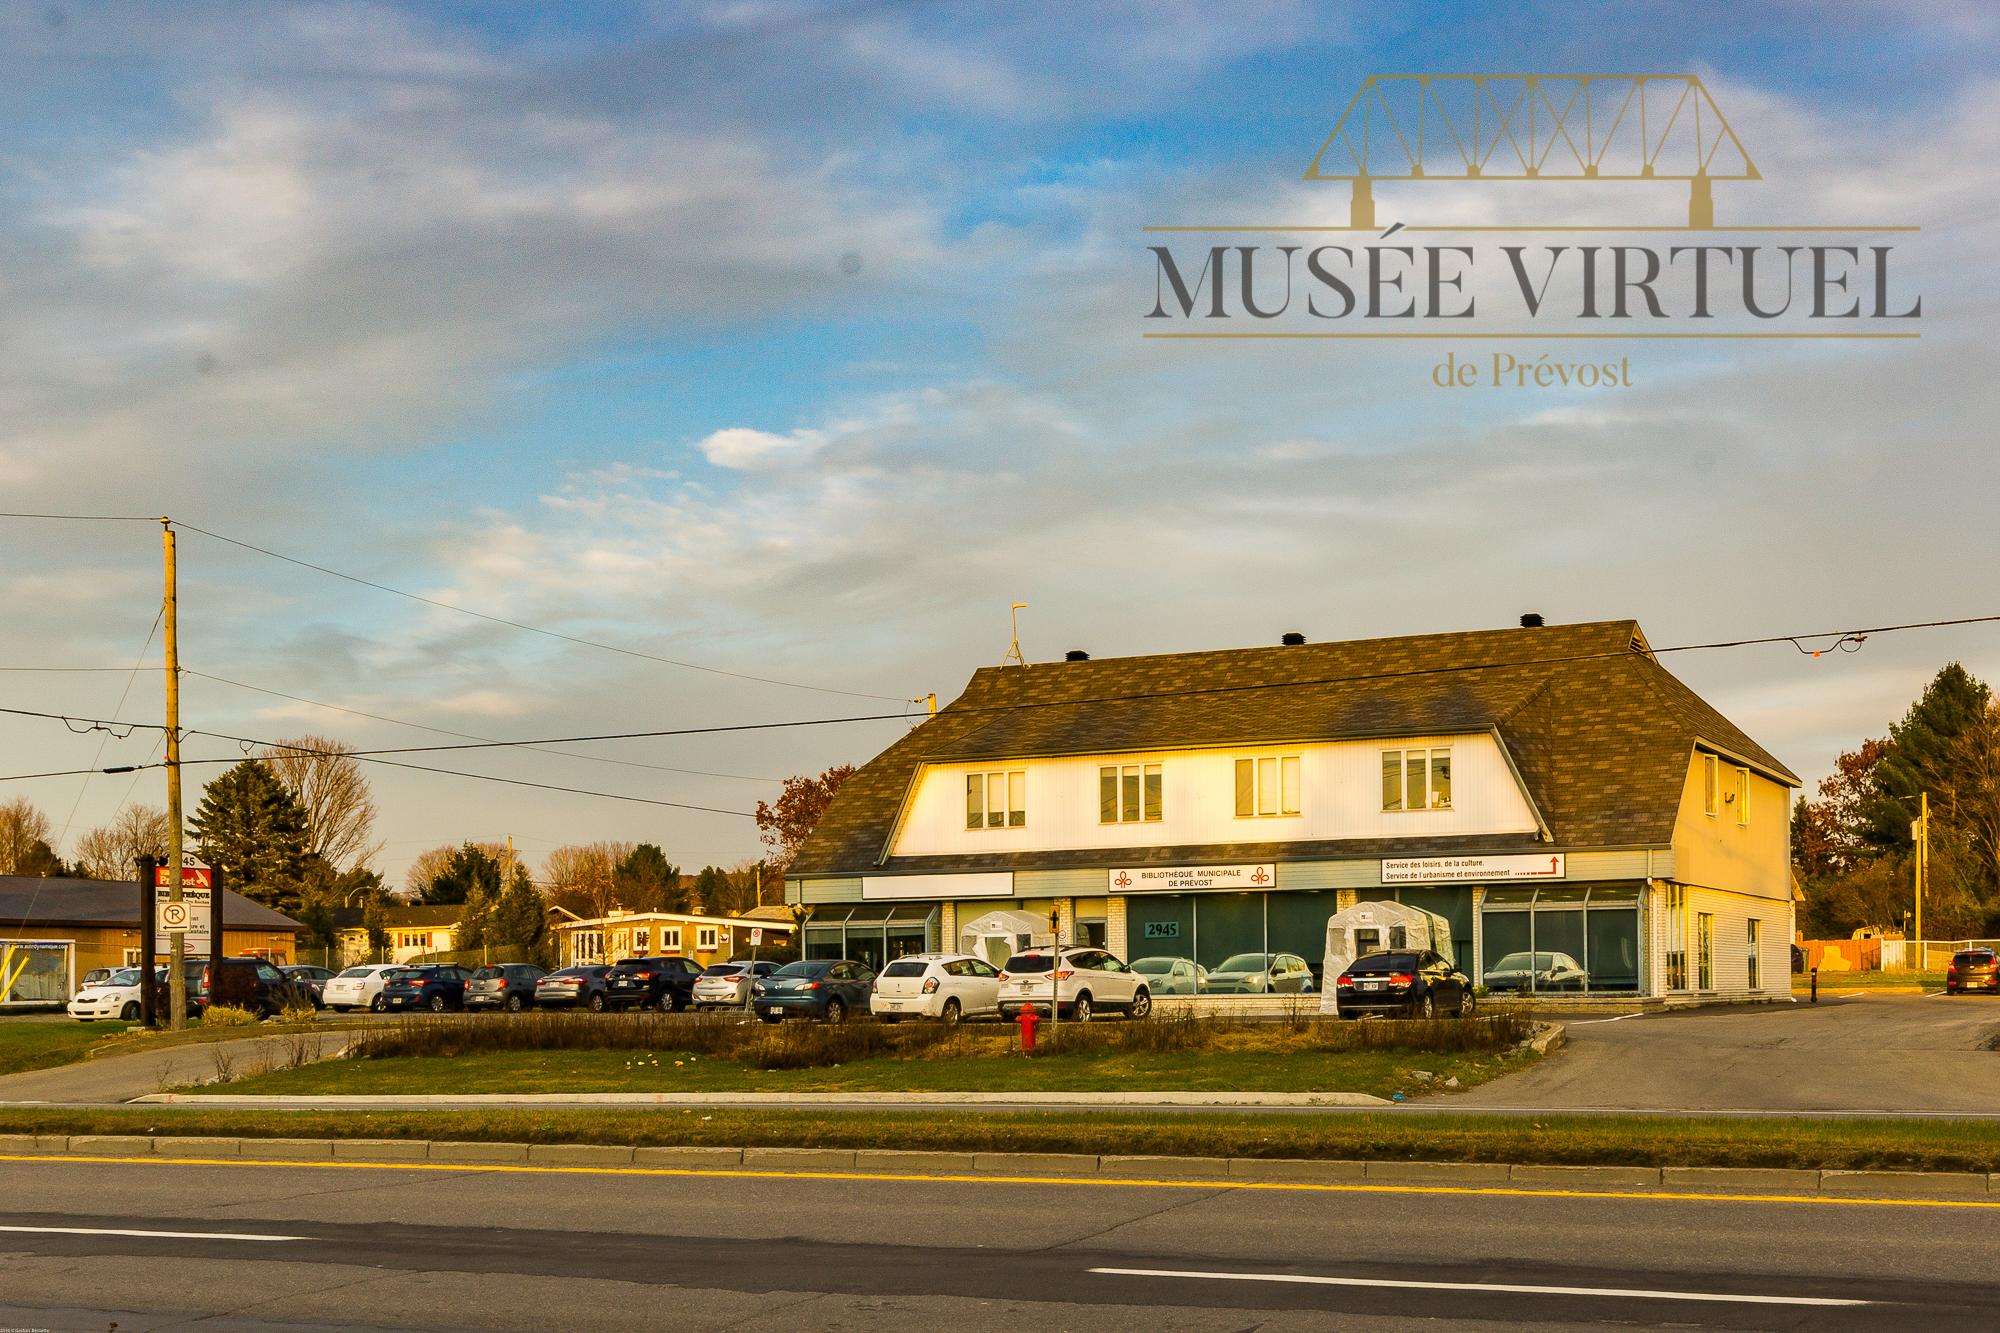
point(1480, 869)
point(188, 918)
point(191, 877)
point(1181, 879)
point(999, 884)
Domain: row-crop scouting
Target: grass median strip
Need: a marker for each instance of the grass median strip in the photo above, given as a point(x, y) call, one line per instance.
point(1559, 1141)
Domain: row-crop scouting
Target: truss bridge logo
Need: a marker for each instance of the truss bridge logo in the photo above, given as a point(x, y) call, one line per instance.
point(1373, 265)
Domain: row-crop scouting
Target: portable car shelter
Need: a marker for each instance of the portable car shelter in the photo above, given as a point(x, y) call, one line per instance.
point(1367, 927)
point(997, 936)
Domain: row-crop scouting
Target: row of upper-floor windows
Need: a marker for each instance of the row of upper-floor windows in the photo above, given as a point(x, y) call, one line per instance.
point(1266, 786)
point(1720, 788)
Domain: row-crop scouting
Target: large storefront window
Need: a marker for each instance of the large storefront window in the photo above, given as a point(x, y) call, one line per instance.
point(1210, 930)
point(870, 933)
point(34, 971)
point(1561, 940)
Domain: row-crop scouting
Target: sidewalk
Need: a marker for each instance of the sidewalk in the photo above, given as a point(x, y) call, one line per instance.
point(767, 1099)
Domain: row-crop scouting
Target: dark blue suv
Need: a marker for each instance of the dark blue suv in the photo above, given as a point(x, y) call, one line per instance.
point(433, 986)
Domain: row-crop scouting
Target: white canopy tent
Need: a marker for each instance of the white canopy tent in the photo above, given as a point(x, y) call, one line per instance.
point(1368, 927)
point(998, 936)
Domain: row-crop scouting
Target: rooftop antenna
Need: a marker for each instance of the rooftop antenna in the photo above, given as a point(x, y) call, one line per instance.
point(1014, 649)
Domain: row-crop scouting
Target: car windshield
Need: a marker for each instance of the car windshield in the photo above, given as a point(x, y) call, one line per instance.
point(811, 969)
point(727, 970)
point(1153, 966)
point(1246, 962)
point(129, 977)
point(905, 967)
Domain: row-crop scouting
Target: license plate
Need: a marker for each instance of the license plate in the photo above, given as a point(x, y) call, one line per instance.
point(625, 985)
point(1371, 985)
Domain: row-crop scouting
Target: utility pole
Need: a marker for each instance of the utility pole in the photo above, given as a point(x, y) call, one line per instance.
point(1920, 832)
point(177, 976)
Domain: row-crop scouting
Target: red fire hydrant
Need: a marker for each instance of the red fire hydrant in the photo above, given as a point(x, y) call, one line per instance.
point(1028, 1020)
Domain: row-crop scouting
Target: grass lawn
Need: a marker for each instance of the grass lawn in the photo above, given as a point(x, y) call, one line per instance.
point(25, 1046)
point(1559, 1140)
point(1379, 1073)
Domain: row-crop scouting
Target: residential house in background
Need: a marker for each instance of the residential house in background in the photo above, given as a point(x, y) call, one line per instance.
point(704, 939)
point(412, 931)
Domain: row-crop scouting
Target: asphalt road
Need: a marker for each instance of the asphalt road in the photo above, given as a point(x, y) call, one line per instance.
point(259, 1246)
point(1866, 1053)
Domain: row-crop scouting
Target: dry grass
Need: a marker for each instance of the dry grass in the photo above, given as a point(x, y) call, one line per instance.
point(820, 1045)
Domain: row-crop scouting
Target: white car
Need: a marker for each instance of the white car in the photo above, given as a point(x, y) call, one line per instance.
point(1172, 976)
point(359, 987)
point(117, 996)
point(1088, 980)
point(727, 985)
point(949, 986)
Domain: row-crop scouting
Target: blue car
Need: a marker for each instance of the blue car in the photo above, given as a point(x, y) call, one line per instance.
point(433, 986)
point(829, 988)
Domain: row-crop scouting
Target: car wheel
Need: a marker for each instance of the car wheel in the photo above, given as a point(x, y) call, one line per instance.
point(437, 1004)
point(597, 1004)
point(130, 1013)
point(1467, 1003)
point(379, 1005)
point(1426, 1007)
point(1080, 1008)
point(1142, 1005)
point(513, 1004)
point(951, 1012)
point(836, 1012)
point(678, 1001)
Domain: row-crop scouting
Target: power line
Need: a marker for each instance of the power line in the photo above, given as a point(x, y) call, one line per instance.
point(444, 731)
point(531, 629)
point(92, 518)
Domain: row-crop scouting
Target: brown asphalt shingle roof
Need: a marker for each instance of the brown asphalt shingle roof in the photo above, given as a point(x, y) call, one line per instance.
point(1601, 732)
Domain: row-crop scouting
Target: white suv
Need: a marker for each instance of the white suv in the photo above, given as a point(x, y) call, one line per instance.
point(949, 986)
point(359, 987)
point(1088, 980)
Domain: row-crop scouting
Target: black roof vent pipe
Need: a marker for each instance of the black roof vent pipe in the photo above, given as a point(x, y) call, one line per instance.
point(1293, 640)
point(1532, 620)
point(1076, 655)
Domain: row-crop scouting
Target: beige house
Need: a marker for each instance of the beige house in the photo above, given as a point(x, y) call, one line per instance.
point(412, 931)
point(704, 939)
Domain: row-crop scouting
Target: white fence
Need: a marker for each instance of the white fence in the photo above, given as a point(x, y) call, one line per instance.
point(1926, 955)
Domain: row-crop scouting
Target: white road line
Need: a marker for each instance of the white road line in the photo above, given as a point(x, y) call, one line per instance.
point(1489, 1286)
point(169, 1235)
point(1621, 1018)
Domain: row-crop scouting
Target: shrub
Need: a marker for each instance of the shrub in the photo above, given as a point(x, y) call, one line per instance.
point(227, 1016)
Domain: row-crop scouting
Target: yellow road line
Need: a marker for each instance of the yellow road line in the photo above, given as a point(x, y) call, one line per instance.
point(1198, 1182)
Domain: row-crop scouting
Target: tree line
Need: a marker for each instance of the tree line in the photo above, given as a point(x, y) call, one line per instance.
point(1853, 846)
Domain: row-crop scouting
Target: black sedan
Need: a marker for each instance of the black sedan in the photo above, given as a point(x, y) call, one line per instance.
point(509, 986)
point(1405, 985)
point(314, 979)
point(829, 988)
point(663, 982)
point(433, 986)
point(573, 987)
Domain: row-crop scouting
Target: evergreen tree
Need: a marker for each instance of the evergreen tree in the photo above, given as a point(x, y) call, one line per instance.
point(1919, 758)
point(41, 861)
point(469, 868)
point(249, 823)
point(646, 881)
point(713, 888)
point(520, 919)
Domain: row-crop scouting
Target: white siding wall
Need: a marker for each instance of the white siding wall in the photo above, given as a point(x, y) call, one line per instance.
point(1732, 913)
point(1340, 797)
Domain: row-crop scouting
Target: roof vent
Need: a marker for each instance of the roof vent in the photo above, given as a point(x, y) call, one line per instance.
point(1532, 620)
point(1076, 655)
point(1293, 640)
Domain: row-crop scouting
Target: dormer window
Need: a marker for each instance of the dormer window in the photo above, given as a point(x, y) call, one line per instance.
point(1267, 786)
point(1416, 779)
point(996, 800)
point(1129, 793)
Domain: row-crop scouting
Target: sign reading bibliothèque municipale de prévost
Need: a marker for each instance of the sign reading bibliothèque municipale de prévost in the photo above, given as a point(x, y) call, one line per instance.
point(1175, 879)
point(1446, 869)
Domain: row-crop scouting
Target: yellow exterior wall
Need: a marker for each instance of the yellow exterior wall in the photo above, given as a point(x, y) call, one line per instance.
point(1719, 851)
point(105, 946)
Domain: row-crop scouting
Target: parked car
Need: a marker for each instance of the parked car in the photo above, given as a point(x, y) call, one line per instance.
point(359, 987)
point(728, 985)
point(1416, 985)
point(313, 978)
point(1538, 971)
point(829, 988)
point(665, 982)
point(112, 995)
point(250, 983)
point(1261, 974)
point(99, 975)
point(947, 986)
point(509, 986)
point(1172, 976)
point(1972, 969)
point(433, 986)
point(1087, 980)
point(583, 985)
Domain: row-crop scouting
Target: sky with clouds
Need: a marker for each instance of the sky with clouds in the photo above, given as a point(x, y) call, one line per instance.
point(796, 342)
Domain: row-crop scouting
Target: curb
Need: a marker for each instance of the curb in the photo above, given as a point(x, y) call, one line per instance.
point(756, 1099)
point(1195, 1170)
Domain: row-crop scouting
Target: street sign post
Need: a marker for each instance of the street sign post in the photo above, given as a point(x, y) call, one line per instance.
point(190, 918)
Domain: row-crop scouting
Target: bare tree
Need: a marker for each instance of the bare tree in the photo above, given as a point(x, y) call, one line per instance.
point(22, 825)
point(324, 777)
point(109, 850)
point(581, 877)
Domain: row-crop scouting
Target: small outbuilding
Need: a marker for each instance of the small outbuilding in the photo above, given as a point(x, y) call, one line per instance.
point(1367, 927)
